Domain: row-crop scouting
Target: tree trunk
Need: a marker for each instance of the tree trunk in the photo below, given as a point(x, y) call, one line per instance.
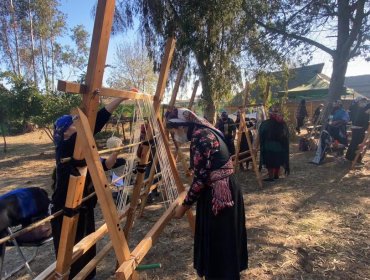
point(341, 56)
point(52, 64)
point(32, 43)
point(4, 137)
point(44, 66)
point(14, 27)
point(209, 104)
point(8, 49)
point(179, 76)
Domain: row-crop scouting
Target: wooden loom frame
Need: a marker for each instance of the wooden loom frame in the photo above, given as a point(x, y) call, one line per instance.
point(362, 147)
point(244, 128)
point(86, 148)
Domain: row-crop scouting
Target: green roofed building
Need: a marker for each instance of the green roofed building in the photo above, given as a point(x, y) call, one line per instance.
point(317, 88)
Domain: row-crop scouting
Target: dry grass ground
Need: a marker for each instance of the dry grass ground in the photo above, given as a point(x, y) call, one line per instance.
point(312, 225)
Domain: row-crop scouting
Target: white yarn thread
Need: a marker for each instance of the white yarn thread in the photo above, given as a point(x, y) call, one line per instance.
point(144, 113)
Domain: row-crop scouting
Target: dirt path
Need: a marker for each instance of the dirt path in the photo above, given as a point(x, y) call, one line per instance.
point(312, 225)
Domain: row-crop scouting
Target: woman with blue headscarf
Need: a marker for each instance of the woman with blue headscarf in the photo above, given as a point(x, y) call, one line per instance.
point(65, 135)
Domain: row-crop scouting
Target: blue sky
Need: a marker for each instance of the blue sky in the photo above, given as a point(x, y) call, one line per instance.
point(79, 12)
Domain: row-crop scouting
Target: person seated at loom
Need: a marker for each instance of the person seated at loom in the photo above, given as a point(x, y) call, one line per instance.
point(65, 134)
point(337, 123)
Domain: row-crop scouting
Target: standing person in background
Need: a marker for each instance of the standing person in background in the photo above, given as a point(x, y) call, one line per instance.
point(273, 139)
point(228, 128)
point(220, 240)
point(316, 114)
point(360, 123)
point(301, 114)
point(65, 134)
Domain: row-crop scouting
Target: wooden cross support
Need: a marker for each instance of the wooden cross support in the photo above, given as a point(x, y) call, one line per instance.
point(362, 148)
point(243, 128)
point(94, 78)
point(86, 148)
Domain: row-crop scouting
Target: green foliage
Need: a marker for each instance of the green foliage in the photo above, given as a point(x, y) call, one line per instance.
point(211, 35)
point(24, 101)
point(124, 110)
point(300, 27)
point(30, 45)
point(4, 104)
point(54, 105)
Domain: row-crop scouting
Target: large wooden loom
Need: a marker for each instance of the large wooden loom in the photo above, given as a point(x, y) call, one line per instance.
point(86, 148)
point(244, 128)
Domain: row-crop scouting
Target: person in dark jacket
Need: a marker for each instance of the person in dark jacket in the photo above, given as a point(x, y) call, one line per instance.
point(65, 135)
point(360, 123)
point(301, 114)
point(273, 139)
point(227, 126)
point(316, 114)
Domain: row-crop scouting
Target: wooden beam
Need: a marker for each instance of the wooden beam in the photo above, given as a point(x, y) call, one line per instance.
point(94, 262)
point(94, 78)
point(164, 72)
point(69, 227)
point(128, 267)
point(175, 91)
point(149, 183)
point(134, 199)
point(79, 249)
point(243, 128)
point(180, 187)
point(71, 87)
point(98, 54)
point(102, 189)
point(191, 102)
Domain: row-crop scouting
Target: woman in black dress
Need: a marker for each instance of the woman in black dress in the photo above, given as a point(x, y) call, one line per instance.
point(220, 241)
point(301, 114)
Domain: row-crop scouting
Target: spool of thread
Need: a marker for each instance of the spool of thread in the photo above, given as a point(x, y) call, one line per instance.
point(114, 142)
point(148, 266)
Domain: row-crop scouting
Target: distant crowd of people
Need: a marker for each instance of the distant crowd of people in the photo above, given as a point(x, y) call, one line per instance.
point(335, 132)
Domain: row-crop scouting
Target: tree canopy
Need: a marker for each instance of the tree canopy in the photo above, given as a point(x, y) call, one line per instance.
point(312, 24)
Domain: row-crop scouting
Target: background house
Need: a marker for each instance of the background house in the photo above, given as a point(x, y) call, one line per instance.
point(360, 84)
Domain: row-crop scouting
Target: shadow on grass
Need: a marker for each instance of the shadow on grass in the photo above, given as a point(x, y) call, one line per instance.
point(310, 225)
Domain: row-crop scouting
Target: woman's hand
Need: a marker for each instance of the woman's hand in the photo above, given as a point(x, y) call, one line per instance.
point(180, 211)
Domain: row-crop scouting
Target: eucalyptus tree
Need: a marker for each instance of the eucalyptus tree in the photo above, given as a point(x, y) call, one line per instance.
point(213, 32)
point(132, 67)
point(340, 28)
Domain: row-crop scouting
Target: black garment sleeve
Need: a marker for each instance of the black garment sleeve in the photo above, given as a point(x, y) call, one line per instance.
point(119, 162)
point(101, 119)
